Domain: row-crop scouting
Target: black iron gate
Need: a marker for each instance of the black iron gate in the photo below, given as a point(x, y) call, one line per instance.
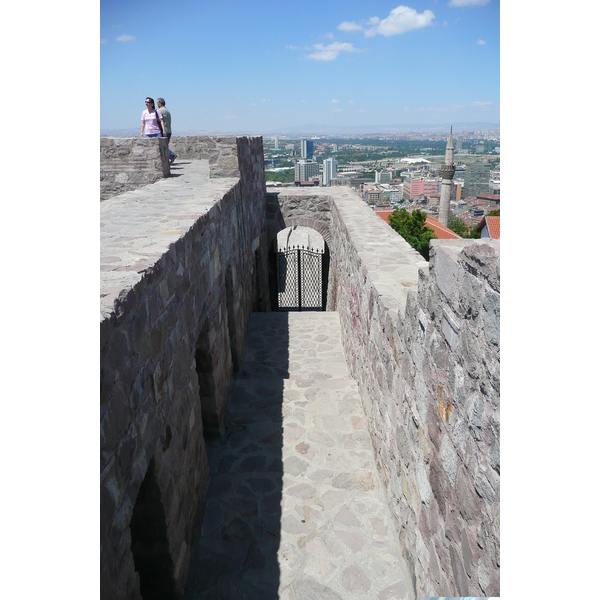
point(300, 283)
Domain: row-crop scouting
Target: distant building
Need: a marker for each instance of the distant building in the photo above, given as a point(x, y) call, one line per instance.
point(372, 196)
point(329, 171)
point(383, 177)
point(456, 192)
point(306, 170)
point(394, 193)
point(277, 142)
point(495, 182)
point(491, 200)
point(307, 148)
point(420, 186)
point(477, 178)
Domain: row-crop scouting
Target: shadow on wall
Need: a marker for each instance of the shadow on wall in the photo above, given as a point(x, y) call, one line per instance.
point(235, 549)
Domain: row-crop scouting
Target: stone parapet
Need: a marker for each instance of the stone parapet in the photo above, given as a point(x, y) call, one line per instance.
point(129, 163)
point(220, 151)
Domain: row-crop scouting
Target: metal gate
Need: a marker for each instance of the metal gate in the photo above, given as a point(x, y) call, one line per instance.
point(300, 279)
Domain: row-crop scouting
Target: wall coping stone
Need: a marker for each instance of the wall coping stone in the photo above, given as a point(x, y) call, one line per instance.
point(138, 227)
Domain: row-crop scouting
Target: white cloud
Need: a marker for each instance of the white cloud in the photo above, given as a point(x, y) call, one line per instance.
point(334, 101)
point(351, 102)
point(252, 103)
point(482, 105)
point(480, 42)
point(350, 26)
point(338, 110)
point(126, 38)
point(328, 36)
point(290, 47)
point(103, 40)
point(265, 100)
point(331, 51)
point(302, 101)
point(468, 2)
point(400, 20)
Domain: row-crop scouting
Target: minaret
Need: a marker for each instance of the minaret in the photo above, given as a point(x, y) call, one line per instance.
point(447, 175)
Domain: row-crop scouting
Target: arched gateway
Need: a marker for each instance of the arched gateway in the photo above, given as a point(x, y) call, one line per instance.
point(299, 260)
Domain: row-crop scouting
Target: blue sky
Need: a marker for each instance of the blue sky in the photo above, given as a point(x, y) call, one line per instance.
point(265, 66)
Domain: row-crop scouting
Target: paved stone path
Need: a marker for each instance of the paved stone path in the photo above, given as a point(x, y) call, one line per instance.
point(296, 509)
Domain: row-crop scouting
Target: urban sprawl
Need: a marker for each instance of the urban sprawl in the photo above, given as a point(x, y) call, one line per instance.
point(395, 171)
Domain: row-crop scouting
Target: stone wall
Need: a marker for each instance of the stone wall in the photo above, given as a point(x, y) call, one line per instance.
point(423, 343)
point(129, 163)
point(422, 340)
point(168, 351)
point(220, 151)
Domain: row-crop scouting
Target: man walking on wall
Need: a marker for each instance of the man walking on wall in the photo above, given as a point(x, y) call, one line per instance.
point(166, 115)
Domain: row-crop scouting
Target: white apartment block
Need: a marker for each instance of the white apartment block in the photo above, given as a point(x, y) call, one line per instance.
point(306, 170)
point(329, 171)
point(495, 182)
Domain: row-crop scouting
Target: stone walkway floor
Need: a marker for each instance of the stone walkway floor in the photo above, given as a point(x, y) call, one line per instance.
point(295, 508)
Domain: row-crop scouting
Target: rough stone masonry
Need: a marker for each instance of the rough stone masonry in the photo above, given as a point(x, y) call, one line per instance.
point(184, 262)
point(423, 341)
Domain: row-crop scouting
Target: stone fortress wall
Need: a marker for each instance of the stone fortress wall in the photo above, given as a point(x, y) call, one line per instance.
point(169, 347)
point(427, 362)
point(422, 340)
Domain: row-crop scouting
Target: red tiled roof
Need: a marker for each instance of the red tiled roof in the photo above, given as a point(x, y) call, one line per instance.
point(494, 197)
point(441, 231)
point(384, 214)
point(493, 225)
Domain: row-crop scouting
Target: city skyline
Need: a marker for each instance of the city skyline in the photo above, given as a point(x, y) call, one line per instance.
point(264, 67)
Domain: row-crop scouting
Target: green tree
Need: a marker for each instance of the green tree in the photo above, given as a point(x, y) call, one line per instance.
point(494, 213)
point(459, 227)
point(411, 226)
point(283, 176)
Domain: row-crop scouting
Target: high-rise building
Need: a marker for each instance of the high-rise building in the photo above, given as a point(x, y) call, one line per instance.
point(329, 171)
point(306, 149)
point(477, 178)
point(277, 142)
point(306, 170)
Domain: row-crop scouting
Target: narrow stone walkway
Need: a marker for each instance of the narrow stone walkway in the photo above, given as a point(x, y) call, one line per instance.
point(295, 508)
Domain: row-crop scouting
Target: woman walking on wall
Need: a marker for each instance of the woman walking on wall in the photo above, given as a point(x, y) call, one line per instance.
point(152, 121)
